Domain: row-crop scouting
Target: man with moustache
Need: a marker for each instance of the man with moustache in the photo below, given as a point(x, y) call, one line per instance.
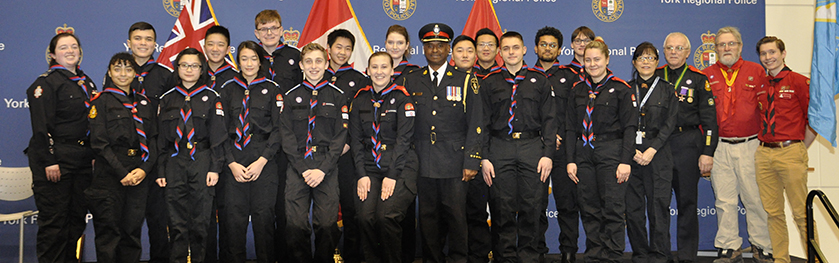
point(735, 83)
point(692, 147)
point(447, 134)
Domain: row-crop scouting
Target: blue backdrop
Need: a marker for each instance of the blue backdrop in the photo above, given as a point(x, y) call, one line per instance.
point(26, 28)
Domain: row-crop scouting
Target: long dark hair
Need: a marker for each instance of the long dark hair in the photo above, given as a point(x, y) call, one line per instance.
point(203, 78)
point(260, 52)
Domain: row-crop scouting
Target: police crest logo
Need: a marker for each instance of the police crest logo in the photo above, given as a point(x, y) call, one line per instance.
point(173, 7)
point(705, 56)
point(291, 37)
point(59, 30)
point(607, 10)
point(399, 9)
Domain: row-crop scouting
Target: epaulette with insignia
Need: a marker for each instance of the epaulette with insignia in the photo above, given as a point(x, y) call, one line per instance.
point(362, 89)
point(46, 73)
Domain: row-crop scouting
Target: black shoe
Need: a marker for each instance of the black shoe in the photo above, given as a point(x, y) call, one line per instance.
point(568, 258)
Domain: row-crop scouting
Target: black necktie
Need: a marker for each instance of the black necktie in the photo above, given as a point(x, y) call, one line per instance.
point(434, 79)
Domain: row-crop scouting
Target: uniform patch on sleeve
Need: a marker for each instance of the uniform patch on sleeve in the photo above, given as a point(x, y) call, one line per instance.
point(345, 114)
point(280, 102)
point(409, 110)
point(219, 110)
point(93, 113)
point(39, 91)
point(707, 86)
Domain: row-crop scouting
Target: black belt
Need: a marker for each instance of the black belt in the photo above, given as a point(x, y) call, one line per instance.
point(130, 152)
point(81, 142)
point(679, 129)
point(516, 135)
point(604, 137)
point(779, 144)
point(736, 141)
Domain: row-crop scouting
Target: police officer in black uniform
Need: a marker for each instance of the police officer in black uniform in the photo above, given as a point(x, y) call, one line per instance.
point(154, 79)
point(191, 144)
point(693, 141)
point(340, 73)
point(648, 195)
point(59, 153)
point(447, 139)
point(381, 126)
point(123, 133)
point(601, 122)
point(519, 113)
point(217, 46)
point(253, 104)
point(314, 130)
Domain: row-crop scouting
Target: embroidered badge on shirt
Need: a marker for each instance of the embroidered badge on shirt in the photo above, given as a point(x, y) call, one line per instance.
point(409, 110)
point(92, 114)
point(38, 92)
point(280, 102)
point(205, 98)
point(219, 110)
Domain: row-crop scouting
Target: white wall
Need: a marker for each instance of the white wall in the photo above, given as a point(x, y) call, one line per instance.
point(792, 21)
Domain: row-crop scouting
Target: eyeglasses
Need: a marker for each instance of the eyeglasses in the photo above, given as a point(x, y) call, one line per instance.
point(646, 59)
point(189, 66)
point(546, 45)
point(265, 30)
point(486, 44)
point(677, 48)
point(731, 44)
point(581, 41)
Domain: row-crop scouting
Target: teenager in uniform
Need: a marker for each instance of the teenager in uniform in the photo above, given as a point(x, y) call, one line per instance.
point(285, 71)
point(216, 47)
point(580, 37)
point(781, 160)
point(253, 104)
point(601, 122)
point(398, 45)
point(477, 194)
point(340, 44)
point(191, 145)
point(123, 134)
point(692, 148)
point(519, 116)
point(314, 130)
point(487, 43)
point(59, 151)
point(447, 139)
point(153, 79)
point(648, 195)
point(381, 126)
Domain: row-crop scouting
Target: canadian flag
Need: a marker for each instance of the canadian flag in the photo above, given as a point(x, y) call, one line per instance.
point(483, 16)
point(328, 15)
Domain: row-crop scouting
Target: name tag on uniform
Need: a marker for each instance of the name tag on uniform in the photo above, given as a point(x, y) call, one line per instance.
point(639, 137)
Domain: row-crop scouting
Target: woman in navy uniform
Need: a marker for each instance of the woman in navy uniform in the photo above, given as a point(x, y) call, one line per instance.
point(191, 149)
point(599, 162)
point(648, 195)
point(252, 103)
point(59, 153)
point(381, 127)
point(123, 133)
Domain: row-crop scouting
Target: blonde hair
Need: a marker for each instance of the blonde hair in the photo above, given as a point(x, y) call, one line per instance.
point(599, 44)
point(308, 48)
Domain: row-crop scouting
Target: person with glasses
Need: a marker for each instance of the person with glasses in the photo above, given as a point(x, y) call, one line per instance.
point(59, 151)
point(447, 134)
point(191, 153)
point(781, 160)
point(735, 84)
point(153, 79)
point(285, 71)
point(487, 44)
point(520, 119)
point(648, 193)
point(579, 39)
point(693, 140)
point(601, 123)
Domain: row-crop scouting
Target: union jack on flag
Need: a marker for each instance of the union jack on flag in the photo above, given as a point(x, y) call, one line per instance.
point(196, 17)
